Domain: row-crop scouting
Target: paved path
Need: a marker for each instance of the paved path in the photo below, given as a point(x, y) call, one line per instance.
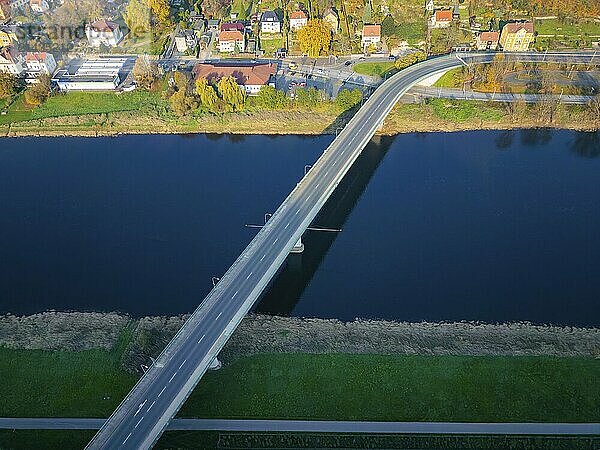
point(324, 426)
point(146, 411)
point(459, 94)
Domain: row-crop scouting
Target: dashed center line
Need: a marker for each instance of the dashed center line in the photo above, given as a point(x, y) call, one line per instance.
point(171, 379)
point(200, 340)
point(181, 365)
point(263, 256)
point(136, 425)
point(163, 390)
point(128, 436)
point(233, 296)
point(219, 315)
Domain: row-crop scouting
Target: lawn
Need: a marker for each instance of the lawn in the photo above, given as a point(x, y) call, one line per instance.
point(374, 69)
point(450, 79)
point(554, 27)
point(456, 111)
point(82, 103)
point(403, 388)
point(269, 43)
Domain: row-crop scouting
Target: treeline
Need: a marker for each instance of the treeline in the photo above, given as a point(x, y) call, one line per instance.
point(562, 8)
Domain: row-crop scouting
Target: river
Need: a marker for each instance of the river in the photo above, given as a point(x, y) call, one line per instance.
point(489, 226)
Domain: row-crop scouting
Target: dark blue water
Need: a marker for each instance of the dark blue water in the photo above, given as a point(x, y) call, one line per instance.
point(490, 226)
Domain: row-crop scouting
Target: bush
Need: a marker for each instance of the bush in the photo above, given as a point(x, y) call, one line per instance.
point(348, 99)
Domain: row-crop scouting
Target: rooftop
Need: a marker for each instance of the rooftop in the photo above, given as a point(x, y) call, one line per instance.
point(259, 74)
point(515, 27)
point(371, 30)
point(443, 15)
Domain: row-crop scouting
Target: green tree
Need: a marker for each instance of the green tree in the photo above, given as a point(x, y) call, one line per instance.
point(348, 99)
point(388, 26)
point(182, 103)
point(137, 17)
point(9, 85)
point(146, 73)
point(410, 59)
point(314, 38)
point(308, 97)
point(271, 98)
point(231, 93)
point(38, 92)
point(367, 13)
point(207, 94)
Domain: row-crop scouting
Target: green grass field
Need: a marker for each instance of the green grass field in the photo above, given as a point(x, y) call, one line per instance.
point(556, 27)
point(374, 69)
point(82, 103)
point(457, 111)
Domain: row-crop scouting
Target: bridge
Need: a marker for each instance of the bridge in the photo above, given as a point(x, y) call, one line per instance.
point(146, 411)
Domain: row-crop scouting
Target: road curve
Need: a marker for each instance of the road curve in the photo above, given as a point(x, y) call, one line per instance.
point(146, 411)
point(322, 426)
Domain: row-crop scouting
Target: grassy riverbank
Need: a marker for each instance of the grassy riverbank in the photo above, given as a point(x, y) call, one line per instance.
point(334, 386)
point(92, 114)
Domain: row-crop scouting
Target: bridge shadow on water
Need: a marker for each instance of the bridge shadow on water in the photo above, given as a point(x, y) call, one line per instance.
point(287, 288)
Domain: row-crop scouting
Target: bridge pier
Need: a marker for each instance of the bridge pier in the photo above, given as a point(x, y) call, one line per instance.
point(298, 247)
point(215, 364)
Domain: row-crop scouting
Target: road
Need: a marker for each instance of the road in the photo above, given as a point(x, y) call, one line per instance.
point(459, 94)
point(323, 426)
point(146, 411)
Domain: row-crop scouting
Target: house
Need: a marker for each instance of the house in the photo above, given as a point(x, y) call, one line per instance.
point(251, 78)
point(186, 40)
point(103, 32)
point(38, 63)
point(270, 22)
point(298, 19)
point(442, 18)
point(517, 36)
point(487, 40)
point(101, 74)
point(232, 26)
point(281, 53)
point(8, 35)
point(39, 6)
point(213, 24)
point(232, 41)
point(429, 6)
point(17, 6)
point(11, 61)
point(371, 36)
point(331, 18)
point(4, 10)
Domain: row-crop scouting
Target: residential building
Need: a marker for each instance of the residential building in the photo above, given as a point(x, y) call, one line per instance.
point(429, 6)
point(456, 13)
point(251, 78)
point(39, 6)
point(232, 41)
point(232, 26)
point(487, 40)
point(17, 6)
point(8, 35)
point(4, 10)
point(213, 24)
point(103, 32)
point(101, 74)
point(11, 61)
point(371, 36)
point(331, 18)
point(38, 63)
point(442, 18)
point(270, 22)
point(517, 36)
point(298, 19)
point(186, 40)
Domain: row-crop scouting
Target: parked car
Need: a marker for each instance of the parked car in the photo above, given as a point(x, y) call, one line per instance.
point(293, 66)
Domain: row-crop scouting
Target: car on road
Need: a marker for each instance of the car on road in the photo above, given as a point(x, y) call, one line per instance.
point(347, 63)
point(293, 66)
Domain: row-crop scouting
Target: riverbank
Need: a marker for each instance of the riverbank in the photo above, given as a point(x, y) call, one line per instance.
point(435, 115)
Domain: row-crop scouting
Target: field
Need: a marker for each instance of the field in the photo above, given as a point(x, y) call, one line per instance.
point(378, 69)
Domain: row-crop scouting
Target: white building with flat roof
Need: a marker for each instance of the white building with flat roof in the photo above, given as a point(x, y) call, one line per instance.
point(101, 74)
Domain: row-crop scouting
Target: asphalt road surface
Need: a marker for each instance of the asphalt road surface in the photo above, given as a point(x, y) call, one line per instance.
point(146, 411)
point(323, 426)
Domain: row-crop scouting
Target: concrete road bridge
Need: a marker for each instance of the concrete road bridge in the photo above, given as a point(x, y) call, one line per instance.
point(146, 411)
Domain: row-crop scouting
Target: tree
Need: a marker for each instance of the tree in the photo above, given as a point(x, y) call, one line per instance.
point(271, 98)
point(388, 26)
point(207, 94)
point(9, 85)
point(408, 60)
point(231, 93)
point(137, 17)
point(214, 8)
point(594, 108)
point(181, 103)
point(308, 97)
point(161, 11)
point(66, 23)
point(314, 38)
point(146, 73)
point(367, 13)
point(39, 92)
point(348, 99)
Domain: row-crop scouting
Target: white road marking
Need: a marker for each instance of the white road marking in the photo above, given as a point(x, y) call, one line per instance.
point(297, 212)
point(128, 436)
point(274, 242)
point(233, 296)
point(140, 407)
point(136, 425)
point(151, 406)
point(181, 365)
point(200, 340)
point(286, 227)
point(163, 390)
point(250, 274)
point(219, 315)
point(171, 379)
point(263, 256)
